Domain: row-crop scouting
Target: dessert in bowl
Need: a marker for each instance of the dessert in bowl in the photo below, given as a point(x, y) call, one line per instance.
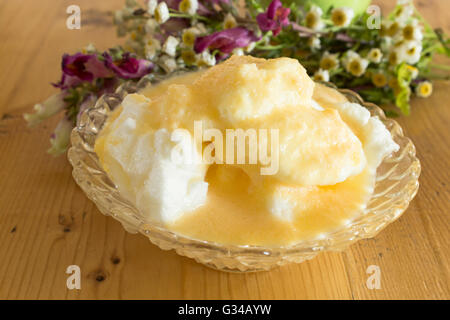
point(316, 170)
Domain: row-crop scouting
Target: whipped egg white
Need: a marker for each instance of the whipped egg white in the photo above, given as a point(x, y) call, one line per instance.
point(329, 150)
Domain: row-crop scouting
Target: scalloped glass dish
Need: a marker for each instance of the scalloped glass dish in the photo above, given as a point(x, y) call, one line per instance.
point(396, 185)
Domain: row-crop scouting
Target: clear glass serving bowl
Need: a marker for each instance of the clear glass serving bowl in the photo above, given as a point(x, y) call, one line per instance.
point(396, 185)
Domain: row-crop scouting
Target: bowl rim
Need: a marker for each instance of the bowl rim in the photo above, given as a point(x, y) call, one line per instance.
point(151, 229)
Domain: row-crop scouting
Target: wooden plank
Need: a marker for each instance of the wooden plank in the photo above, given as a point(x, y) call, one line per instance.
point(46, 222)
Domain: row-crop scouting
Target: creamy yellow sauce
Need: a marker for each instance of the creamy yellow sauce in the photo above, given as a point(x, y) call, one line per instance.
point(235, 216)
point(236, 209)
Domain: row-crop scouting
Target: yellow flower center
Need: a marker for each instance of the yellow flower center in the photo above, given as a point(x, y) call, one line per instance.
point(375, 54)
point(355, 67)
point(310, 20)
point(379, 80)
point(319, 77)
point(188, 38)
point(408, 32)
point(399, 11)
point(185, 6)
point(393, 58)
point(393, 83)
point(229, 24)
point(411, 51)
point(327, 63)
point(157, 16)
point(425, 90)
point(338, 18)
point(393, 29)
point(188, 57)
point(383, 31)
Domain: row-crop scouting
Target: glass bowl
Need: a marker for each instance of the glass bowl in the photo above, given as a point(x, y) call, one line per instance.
point(396, 185)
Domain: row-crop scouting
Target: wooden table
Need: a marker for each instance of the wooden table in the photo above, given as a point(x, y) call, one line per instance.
point(46, 222)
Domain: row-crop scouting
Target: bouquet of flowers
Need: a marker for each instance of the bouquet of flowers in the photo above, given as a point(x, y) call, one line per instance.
point(385, 60)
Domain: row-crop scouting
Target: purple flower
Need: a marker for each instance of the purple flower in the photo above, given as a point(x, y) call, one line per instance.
point(128, 67)
point(226, 41)
point(81, 67)
point(67, 82)
point(86, 67)
point(275, 18)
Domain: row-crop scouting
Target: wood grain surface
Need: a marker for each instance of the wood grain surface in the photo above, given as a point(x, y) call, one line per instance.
point(46, 222)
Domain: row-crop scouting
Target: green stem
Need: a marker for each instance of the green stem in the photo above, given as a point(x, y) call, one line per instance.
point(430, 49)
point(188, 16)
point(281, 46)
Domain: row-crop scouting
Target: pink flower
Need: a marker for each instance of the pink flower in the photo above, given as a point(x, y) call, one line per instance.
point(86, 67)
point(81, 67)
point(226, 41)
point(128, 67)
point(202, 5)
point(275, 18)
point(67, 82)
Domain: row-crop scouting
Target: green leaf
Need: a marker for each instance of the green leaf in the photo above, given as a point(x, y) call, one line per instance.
point(404, 77)
point(402, 100)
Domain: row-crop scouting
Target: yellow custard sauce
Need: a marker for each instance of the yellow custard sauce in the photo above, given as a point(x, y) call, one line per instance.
point(327, 154)
point(235, 216)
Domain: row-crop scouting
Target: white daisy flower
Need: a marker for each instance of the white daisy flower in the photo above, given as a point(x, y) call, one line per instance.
point(188, 36)
point(375, 55)
point(250, 47)
point(229, 21)
point(152, 46)
point(354, 64)
point(391, 28)
point(314, 43)
point(189, 57)
point(424, 89)
point(188, 6)
point(321, 75)
point(150, 26)
point(90, 48)
point(409, 51)
point(412, 31)
point(350, 54)
point(379, 80)
point(342, 17)
point(151, 6)
point(329, 61)
point(200, 27)
point(162, 13)
point(404, 11)
point(168, 63)
point(386, 44)
point(170, 46)
point(206, 59)
point(238, 52)
point(313, 18)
